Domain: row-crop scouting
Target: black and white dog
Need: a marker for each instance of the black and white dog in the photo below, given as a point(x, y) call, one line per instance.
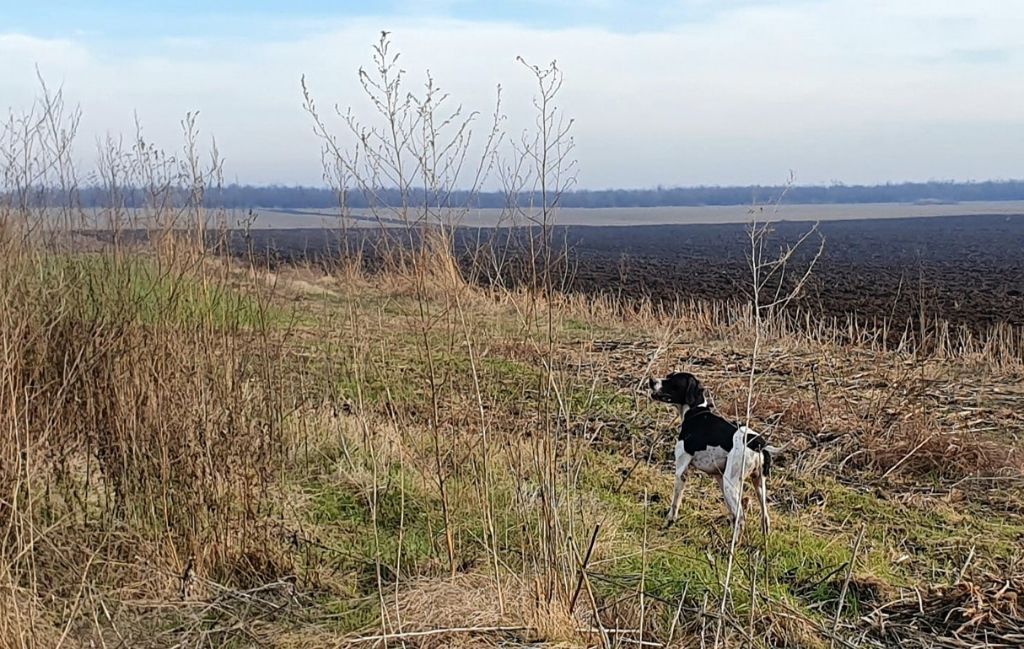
point(728, 453)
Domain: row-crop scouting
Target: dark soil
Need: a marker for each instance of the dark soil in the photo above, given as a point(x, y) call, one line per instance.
point(968, 270)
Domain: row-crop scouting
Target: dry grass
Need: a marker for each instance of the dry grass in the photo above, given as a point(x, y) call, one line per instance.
point(466, 610)
point(256, 472)
point(968, 614)
point(920, 446)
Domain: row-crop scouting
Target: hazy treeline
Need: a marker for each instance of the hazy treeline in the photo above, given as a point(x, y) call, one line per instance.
point(285, 197)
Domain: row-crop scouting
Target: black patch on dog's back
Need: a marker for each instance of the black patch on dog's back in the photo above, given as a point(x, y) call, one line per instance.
point(702, 428)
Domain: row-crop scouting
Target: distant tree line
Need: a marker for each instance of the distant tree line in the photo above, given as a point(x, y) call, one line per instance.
point(285, 197)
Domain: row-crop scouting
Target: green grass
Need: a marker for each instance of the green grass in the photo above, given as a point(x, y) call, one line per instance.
point(804, 562)
point(395, 525)
point(906, 543)
point(136, 288)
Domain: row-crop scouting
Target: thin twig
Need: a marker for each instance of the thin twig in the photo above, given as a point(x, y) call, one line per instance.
point(846, 583)
point(384, 637)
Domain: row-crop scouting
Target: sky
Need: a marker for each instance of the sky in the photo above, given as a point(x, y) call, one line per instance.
point(672, 92)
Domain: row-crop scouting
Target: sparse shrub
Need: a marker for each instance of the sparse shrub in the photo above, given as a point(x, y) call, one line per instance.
point(801, 418)
point(919, 446)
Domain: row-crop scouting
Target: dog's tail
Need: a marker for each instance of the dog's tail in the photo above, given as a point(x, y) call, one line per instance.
point(767, 453)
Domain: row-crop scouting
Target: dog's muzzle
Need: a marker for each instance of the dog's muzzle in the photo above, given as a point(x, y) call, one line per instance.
point(656, 393)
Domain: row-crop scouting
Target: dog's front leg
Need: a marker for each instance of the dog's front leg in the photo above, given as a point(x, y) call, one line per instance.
point(683, 460)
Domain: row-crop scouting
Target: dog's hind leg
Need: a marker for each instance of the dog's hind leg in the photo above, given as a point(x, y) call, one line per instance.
point(720, 481)
point(683, 460)
point(741, 464)
point(732, 490)
point(762, 496)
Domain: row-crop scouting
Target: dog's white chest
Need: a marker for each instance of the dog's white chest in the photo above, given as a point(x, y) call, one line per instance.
point(711, 460)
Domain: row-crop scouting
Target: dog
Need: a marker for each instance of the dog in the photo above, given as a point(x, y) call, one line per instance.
point(728, 453)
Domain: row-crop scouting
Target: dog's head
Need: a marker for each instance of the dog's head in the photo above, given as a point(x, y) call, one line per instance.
point(681, 389)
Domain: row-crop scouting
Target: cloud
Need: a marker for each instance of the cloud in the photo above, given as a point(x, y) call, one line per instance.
point(979, 55)
point(859, 90)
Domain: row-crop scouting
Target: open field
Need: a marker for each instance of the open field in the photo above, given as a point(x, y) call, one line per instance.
point(965, 270)
point(629, 216)
point(214, 435)
point(200, 452)
point(278, 219)
point(305, 438)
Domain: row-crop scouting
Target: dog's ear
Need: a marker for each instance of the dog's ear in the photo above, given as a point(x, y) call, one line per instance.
point(694, 392)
